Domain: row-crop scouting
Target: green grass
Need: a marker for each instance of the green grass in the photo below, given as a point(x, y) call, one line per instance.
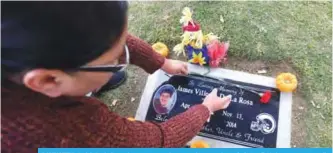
point(296, 32)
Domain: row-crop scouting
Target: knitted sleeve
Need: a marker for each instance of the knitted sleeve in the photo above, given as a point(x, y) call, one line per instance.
point(176, 132)
point(143, 55)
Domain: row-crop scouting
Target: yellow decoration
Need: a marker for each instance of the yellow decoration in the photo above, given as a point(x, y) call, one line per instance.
point(193, 44)
point(131, 119)
point(161, 49)
point(193, 38)
point(186, 38)
point(189, 38)
point(209, 37)
point(196, 39)
point(286, 82)
point(187, 16)
point(199, 144)
point(178, 49)
point(197, 58)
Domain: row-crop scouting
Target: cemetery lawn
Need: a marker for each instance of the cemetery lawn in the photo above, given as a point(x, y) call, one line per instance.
point(276, 36)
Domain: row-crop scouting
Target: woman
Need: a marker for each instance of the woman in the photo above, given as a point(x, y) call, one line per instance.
point(53, 53)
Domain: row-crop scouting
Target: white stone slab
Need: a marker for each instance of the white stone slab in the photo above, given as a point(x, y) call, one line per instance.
point(284, 126)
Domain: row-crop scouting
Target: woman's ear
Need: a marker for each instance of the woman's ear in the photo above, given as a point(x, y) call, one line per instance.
point(47, 82)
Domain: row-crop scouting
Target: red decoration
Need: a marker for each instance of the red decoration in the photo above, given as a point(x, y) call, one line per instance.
point(266, 97)
point(217, 52)
point(192, 28)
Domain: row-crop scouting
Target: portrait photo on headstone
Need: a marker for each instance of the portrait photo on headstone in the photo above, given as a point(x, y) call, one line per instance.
point(164, 99)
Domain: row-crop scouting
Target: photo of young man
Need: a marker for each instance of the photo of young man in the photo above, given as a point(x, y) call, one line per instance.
point(163, 100)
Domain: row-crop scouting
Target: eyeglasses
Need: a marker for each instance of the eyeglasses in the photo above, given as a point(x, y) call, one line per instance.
point(107, 68)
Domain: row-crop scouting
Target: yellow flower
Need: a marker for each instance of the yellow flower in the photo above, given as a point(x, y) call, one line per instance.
point(197, 58)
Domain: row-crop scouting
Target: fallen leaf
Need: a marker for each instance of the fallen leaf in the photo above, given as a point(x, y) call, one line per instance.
point(221, 19)
point(321, 115)
point(300, 107)
point(313, 104)
point(132, 99)
point(263, 71)
point(114, 102)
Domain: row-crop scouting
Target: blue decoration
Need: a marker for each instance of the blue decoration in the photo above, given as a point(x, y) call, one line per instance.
point(189, 50)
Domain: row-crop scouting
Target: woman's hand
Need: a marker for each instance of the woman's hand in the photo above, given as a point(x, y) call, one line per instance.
point(175, 67)
point(215, 103)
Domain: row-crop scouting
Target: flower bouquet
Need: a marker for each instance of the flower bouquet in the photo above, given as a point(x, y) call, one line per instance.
point(204, 50)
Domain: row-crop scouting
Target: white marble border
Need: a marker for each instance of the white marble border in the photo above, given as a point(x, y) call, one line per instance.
point(284, 127)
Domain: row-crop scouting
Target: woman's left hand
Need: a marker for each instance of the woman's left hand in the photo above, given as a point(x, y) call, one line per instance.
point(175, 67)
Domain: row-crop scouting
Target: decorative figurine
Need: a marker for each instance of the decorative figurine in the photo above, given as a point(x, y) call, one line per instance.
point(203, 50)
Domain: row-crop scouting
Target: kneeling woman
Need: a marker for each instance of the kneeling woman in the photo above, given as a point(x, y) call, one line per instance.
point(53, 53)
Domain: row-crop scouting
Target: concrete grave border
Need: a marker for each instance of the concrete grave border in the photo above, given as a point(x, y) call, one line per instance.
point(285, 112)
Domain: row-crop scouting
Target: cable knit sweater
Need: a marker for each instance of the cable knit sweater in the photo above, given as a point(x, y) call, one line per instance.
point(31, 120)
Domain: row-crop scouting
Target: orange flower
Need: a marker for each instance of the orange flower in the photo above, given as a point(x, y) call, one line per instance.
point(199, 144)
point(131, 119)
point(286, 82)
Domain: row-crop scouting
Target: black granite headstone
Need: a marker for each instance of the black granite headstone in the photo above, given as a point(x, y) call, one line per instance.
point(245, 122)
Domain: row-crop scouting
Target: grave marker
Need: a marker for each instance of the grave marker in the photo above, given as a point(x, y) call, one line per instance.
point(245, 123)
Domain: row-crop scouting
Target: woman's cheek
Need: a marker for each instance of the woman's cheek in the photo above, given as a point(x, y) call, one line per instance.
point(83, 86)
point(100, 81)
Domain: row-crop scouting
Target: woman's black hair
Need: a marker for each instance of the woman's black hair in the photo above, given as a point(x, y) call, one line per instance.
point(58, 35)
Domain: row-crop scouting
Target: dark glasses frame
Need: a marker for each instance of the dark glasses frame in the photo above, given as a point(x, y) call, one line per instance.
point(107, 68)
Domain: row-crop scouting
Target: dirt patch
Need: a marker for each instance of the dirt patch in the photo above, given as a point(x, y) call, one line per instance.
point(273, 69)
point(128, 95)
point(298, 122)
